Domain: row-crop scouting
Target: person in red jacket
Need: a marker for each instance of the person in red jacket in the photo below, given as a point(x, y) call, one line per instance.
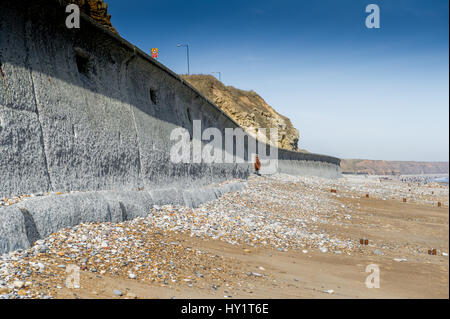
point(257, 165)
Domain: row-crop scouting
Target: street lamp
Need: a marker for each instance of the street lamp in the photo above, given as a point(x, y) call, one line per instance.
point(220, 75)
point(187, 53)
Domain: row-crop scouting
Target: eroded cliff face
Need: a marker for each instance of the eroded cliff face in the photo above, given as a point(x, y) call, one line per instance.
point(373, 167)
point(248, 109)
point(97, 10)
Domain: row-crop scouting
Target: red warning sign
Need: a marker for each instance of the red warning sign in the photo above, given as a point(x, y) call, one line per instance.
point(155, 53)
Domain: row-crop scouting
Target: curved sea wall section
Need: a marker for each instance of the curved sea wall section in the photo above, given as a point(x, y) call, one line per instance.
point(85, 113)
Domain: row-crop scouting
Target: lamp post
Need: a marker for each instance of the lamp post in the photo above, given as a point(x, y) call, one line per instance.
point(187, 53)
point(220, 75)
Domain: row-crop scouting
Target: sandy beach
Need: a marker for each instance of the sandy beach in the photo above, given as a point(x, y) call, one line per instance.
point(281, 237)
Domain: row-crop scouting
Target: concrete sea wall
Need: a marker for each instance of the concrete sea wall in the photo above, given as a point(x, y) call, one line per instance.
point(83, 110)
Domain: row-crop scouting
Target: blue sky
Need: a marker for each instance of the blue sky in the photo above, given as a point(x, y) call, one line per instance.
point(352, 92)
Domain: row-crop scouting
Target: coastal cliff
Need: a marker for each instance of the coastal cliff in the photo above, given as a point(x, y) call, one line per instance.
point(371, 167)
point(248, 109)
point(97, 10)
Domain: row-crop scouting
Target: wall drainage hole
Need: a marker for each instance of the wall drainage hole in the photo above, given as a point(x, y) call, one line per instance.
point(188, 111)
point(154, 96)
point(82, 64)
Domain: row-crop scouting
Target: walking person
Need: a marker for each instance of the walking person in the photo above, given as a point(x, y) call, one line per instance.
point(257, 166)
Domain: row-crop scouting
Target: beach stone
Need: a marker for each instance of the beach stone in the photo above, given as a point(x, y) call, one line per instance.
point(131, 295)
point(117, 292)
point(18, 284)
point(378, 252)
point(4, 290)
point(42, 248)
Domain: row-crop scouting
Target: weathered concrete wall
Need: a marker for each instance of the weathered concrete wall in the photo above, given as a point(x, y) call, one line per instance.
point(77, 114)
point(308, 164)
point(64, 129)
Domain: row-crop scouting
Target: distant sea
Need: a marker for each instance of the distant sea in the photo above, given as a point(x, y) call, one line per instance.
point(443, 180)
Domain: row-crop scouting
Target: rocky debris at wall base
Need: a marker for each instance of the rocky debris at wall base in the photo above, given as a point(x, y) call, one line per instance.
point(297, 214)
point(27, 221)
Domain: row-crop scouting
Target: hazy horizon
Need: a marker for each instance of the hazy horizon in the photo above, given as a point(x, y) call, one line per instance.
point(352, 92)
